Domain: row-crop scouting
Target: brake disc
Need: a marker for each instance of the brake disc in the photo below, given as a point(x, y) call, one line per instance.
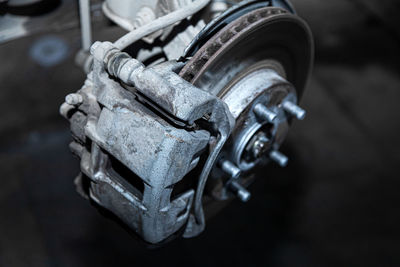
point(266, 34)
point(233, 13)
point(264, 56)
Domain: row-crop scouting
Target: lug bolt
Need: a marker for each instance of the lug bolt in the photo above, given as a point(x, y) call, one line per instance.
point(279, 158)
point(230, 168)
point(74, 99)
point(240, 191)
point(294, 110)
point(264, 113)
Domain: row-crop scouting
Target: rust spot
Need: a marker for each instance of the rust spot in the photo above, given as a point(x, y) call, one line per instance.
point(174, 137)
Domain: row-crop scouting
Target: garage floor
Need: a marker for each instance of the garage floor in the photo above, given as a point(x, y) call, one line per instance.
point(336, 204)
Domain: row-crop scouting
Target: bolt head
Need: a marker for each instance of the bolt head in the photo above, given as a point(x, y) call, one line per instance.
point(74, 99)
point(260, 146)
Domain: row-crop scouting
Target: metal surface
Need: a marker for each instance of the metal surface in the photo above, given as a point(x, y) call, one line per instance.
point(155, 152)
point(294, 110)
point(151, 138)
point(279, 158)
point(293, 49)
point(250, 74)
point(176, 47)
point(265, 113)
point(160, 23)
point(160, 154)
point(86, 27)
point(230, 169)
point(125, 13)
point(228, 16)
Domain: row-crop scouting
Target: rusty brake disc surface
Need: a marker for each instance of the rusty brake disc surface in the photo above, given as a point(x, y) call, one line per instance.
point(265, 34)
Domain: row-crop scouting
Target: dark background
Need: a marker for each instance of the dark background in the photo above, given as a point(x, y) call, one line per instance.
point(336, 204)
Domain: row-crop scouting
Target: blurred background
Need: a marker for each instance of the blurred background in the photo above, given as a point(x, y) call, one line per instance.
point(336, 204)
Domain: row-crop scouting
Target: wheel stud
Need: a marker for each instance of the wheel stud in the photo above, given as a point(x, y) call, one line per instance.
point(294, 110)
point(264, 113)
point(240, 191)
point(231, 169)
point(279, 158)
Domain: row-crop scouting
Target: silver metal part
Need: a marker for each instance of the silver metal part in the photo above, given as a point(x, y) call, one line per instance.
point(264, 113)
point(135, 17)
point(259, 88)
point(126, 12)
point(240, 191)
point(158, 83)
point(156, 135)
point(86, 27)
point(144, 142)
point(260, 145)
point(279, 158)
point(231, 169)
point(294, 110)
point(217, 8)
point(176, 47)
